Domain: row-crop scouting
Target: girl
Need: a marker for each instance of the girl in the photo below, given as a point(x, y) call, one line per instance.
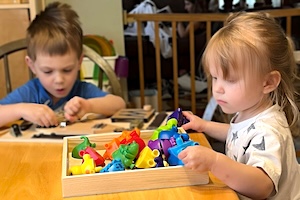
point(251, 63)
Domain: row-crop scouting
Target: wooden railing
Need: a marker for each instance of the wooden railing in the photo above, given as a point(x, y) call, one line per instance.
point(209, 18)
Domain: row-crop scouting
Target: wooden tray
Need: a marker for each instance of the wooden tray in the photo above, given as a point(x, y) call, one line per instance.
point(129, 180)
point(129, 114)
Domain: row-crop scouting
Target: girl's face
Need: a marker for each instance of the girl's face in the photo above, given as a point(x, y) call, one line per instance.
point(237, 93)
point(188, 6)
point(56, 73)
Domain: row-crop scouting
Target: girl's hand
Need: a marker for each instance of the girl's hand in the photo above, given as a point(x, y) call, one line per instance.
point(39, 114)
point(76, 108)
point(196, 123)
point(198, 158)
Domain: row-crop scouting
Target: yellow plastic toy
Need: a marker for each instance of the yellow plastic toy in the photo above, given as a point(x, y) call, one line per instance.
point(146, 158)
point(87, 167)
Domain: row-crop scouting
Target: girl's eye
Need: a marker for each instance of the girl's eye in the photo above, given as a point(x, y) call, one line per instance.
point(231, 80)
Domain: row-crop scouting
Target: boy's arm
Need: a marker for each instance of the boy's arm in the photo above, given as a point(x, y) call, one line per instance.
point(9, 113)
point(247, 180)
point(39, 114)
point(107, 105)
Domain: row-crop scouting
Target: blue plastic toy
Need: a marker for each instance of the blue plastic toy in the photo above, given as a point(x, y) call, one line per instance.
point(175, 150)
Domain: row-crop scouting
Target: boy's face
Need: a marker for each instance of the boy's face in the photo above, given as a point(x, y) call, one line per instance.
point(56, 73)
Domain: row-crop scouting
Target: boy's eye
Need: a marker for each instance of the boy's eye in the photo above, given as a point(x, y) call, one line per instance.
point(47, 72)
point(67, 70)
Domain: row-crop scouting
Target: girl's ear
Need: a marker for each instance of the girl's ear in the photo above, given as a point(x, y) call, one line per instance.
point(272, 81)
point(29, 63)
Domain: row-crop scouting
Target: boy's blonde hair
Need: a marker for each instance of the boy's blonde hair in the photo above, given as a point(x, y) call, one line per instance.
point(254, 44)
point(55, 31)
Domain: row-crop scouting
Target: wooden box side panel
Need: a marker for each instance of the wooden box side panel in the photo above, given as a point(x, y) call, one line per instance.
point(142, 179)
point(129, 180)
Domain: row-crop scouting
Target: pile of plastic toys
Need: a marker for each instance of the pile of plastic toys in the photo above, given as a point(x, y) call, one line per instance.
point(130, 151)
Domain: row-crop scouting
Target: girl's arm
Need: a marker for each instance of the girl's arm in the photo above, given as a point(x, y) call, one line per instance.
point(247, 180)
point(213, 129)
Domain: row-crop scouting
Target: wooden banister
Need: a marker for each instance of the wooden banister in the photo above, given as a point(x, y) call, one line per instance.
point(208, 18)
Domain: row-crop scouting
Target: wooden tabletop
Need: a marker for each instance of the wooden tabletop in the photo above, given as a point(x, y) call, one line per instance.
point(32, 170)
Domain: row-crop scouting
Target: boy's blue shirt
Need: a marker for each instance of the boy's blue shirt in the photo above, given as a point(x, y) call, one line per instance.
point(34, 92)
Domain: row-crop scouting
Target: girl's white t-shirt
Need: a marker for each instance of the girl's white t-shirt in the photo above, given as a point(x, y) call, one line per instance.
point(265, 141)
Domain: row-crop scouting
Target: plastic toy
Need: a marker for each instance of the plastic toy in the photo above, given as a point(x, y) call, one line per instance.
point(161, 145)
point(87, 167)
point(181, 119)
point(86, 143)
point(110, 148)
point(126, 137)
point(114, 166)
point(134, 136)
point(170, 123)
point(175, 150)
point(127, 153)
point(146, 158)
point(99, 160)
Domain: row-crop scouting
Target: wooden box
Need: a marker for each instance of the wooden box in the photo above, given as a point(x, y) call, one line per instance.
point(129, 180)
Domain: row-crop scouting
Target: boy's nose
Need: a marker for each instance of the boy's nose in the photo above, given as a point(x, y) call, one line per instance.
point(59, 78)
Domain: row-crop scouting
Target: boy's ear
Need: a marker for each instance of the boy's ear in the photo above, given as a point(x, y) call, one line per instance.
point(29, 63)
point(272, 81)
point(80, 61)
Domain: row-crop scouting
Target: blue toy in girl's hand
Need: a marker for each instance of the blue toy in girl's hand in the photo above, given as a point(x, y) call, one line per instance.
point(181, 119)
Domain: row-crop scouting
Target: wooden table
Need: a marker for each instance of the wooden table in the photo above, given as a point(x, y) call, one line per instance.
point(32, 170)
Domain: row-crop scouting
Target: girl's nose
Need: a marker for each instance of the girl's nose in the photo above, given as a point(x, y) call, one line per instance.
point(217, 86)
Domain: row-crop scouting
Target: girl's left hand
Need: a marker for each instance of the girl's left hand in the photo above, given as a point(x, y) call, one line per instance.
point(76, 108)
point(198, 158)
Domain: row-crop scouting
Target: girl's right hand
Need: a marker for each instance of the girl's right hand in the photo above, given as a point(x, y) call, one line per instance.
point(39, 114)
point(196, 123)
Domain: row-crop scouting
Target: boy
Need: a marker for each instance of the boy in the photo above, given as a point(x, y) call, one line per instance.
point(54, 48)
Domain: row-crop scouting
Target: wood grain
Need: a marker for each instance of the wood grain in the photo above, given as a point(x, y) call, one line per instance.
point(32, 170)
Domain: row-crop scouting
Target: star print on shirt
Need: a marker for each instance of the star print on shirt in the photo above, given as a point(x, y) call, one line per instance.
point(234, 136)
point(260, 146)
point(246, 147)
point(250, 127)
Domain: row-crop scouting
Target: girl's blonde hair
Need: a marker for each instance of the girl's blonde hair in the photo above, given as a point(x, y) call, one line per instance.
point(261, 43)
point(55, 31)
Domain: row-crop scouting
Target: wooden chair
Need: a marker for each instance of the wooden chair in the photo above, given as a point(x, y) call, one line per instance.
point(14, 46)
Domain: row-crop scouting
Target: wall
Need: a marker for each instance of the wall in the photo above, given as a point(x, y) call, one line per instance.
point(102, 17)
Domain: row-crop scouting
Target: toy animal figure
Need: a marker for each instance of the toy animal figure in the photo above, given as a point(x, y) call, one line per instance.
point(181, 119)
point(114, 166)
point(88, 166)
point(146, 158)
point(175, 150)
point(99, 160)
point(127, 153)
point(170, 124)
point(82, 146)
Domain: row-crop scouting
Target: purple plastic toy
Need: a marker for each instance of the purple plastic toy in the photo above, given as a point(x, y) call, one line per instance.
point(181, 119)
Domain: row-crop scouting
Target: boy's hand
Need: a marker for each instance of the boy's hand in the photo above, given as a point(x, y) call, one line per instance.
point(76, 108)
point(198, 158)
point(39, 114)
